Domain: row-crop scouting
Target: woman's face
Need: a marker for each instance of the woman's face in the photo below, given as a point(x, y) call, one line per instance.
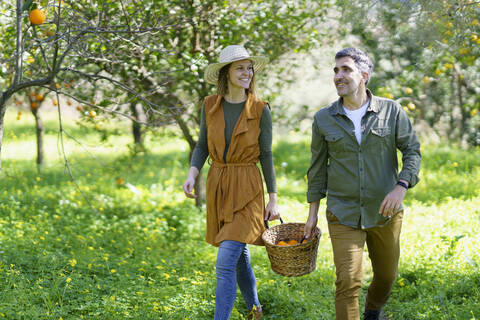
point(240, 74)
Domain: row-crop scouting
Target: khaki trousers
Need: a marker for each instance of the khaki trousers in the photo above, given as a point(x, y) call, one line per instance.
point(383, 245)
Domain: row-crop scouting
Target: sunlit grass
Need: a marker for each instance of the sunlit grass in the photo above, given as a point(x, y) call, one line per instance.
point(120, 241)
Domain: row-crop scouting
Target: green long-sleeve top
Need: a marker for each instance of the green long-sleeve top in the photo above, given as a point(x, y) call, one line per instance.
point(356, 178)
point(231, 113)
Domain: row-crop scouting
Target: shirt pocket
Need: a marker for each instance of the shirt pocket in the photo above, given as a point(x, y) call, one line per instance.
point(379, 138)
point(335, 142)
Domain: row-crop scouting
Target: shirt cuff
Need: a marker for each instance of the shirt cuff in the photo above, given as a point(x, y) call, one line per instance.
point(411, 178)
point(313, 196)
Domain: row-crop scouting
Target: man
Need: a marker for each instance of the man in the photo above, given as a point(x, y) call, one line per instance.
point(354, 164)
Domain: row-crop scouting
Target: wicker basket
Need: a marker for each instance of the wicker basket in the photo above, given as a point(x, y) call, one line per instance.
point(296, 260)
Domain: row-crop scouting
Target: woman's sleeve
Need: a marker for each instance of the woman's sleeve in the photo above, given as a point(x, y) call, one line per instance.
point(200, 153)
point(266, 156)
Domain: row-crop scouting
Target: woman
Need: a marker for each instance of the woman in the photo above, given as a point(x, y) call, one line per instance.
point(236, 132)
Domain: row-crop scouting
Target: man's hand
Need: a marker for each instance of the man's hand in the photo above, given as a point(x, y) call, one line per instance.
point(312, 219)
point(393, 201)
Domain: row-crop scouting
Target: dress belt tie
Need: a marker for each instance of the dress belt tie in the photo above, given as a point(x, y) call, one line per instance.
point(231, 164)
point(228, 186)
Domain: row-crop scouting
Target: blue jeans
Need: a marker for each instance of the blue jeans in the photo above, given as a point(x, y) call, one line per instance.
point(233, 266)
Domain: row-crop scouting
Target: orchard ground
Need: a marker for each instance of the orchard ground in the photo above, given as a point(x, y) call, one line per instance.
point(121, 241)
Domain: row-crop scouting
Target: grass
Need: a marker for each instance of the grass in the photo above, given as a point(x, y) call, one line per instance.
point(126, 244)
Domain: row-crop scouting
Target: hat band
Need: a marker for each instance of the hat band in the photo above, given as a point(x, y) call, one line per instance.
point(236, 58)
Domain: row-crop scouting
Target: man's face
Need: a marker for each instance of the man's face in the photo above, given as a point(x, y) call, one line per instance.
point(348, 78)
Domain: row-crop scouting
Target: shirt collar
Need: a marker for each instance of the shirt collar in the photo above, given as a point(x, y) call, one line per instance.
point(373, 106)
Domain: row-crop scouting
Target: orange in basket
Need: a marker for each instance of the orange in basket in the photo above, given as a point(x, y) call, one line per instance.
point(291, 258)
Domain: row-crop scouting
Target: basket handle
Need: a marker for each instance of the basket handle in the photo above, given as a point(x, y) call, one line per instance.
point(266, 222)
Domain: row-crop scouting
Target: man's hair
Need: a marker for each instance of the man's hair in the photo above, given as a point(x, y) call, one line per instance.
point(362, 61)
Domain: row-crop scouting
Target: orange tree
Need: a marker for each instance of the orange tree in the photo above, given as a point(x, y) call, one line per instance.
point(426, 55)
point(34, 101)
point(71, 41)
point(148, 55)
point(167, 67)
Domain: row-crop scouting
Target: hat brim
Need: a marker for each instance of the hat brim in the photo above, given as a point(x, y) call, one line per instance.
point(212, 70)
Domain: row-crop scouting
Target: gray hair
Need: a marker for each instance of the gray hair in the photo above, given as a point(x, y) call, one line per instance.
point(362, 61)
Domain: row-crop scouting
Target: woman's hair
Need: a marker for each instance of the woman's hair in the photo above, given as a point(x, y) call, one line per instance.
point(222, 82)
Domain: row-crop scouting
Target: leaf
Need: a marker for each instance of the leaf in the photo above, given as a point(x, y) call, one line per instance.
point(104, 103)
point(27, 4)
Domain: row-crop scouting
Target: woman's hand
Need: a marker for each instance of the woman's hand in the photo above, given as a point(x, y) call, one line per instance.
point(190, 182)
point(271, 211)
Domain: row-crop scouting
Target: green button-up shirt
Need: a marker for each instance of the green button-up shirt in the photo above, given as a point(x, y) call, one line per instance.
point(356, 178)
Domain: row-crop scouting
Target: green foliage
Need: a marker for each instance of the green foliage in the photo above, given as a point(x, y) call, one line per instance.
point(145, 61)
point(426, 55)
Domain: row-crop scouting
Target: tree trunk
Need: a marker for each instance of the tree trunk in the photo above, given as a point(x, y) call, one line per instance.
point(39, 128)
point(138, 136)
point(3, 107)
point(40, 132)
point(452, 109)
point(464, 112)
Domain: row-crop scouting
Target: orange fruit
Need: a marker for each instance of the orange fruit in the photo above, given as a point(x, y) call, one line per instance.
point(92, 114)
point(34, 105)
point(304, 241)
point(37, 16)
point(282, 243)
point(292, 242)
point(55, 102)
point(39, 97)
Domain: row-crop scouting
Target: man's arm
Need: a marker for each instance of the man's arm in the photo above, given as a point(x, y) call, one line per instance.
point(407, 142)
point(317, 178)
point(317, 172)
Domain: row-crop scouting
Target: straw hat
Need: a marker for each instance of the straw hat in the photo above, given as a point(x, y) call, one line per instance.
point(231, 54)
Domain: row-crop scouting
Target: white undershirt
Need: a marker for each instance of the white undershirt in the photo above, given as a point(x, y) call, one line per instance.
point(356, 117)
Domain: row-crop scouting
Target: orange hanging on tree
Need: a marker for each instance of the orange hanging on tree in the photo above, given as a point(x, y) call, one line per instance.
point(37, 16)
